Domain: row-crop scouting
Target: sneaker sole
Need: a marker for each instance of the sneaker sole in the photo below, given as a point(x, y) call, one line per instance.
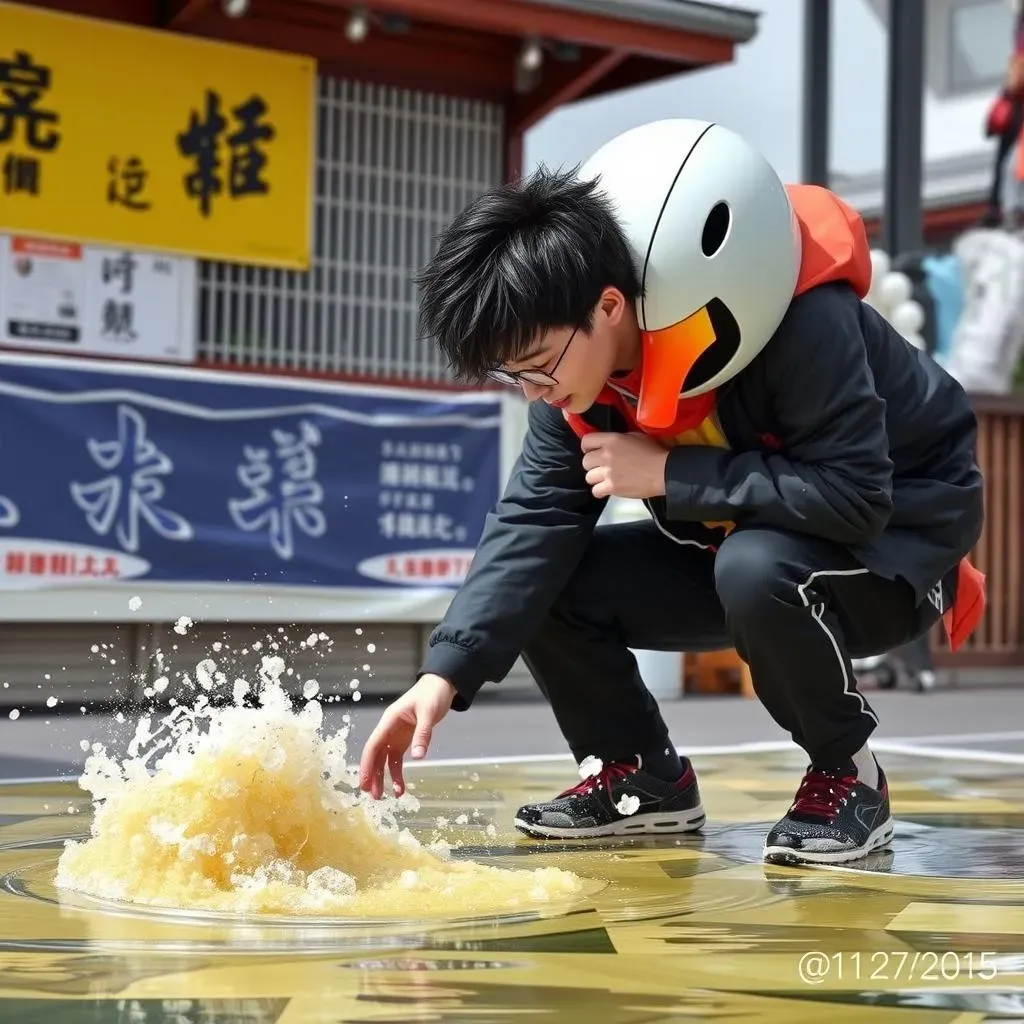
point(639, 824)
point(878, 839)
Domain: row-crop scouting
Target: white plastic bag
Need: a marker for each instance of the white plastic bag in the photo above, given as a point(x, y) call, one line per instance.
point(989, 334)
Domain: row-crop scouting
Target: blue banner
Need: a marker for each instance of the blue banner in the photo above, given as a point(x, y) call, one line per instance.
point(112, 472)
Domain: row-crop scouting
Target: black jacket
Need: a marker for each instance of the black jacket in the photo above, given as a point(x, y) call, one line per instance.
point(838, 428)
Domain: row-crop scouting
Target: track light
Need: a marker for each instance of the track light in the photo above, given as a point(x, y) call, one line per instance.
point(531, 56)
point(358, 25)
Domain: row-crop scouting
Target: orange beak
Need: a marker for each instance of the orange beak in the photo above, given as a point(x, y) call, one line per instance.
point(668, 356)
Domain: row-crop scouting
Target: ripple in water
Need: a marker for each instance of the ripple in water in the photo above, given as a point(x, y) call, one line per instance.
point(916, 850)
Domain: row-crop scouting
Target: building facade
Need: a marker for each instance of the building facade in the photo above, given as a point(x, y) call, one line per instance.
point(420, 106)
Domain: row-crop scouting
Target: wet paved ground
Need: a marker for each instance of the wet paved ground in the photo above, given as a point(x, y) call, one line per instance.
point(668, 929)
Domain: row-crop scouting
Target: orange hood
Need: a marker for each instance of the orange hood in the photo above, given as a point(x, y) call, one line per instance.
point(835, 244)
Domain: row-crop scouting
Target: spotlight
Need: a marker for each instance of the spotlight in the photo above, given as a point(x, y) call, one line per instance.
point(531, 56)
point(234, 8)
point(358, 26)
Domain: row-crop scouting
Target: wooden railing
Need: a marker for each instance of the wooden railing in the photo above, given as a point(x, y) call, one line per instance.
point(999, 640)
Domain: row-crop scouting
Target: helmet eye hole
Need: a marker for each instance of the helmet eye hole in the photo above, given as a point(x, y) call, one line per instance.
point(716, 227)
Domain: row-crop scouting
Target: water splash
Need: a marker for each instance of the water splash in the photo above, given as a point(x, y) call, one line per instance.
point(249, 807)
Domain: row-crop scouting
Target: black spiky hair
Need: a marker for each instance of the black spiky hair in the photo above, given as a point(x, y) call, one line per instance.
point(521, 259)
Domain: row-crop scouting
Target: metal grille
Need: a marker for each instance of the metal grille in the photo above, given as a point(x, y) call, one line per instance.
point(394, 166)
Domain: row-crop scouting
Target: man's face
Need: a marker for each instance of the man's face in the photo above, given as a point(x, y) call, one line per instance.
point(568, 368)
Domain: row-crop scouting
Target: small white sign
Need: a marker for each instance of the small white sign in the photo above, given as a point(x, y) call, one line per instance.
point(27, 564)
point(87, 300)
point(438, 568)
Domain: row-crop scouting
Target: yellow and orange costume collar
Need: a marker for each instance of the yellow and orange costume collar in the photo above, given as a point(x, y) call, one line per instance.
point(834, 248)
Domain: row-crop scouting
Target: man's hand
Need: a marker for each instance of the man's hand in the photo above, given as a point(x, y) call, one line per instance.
point(410, 718)
point(624, 465)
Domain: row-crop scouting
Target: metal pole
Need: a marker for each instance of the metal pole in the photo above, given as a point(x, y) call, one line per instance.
point(817, 82)
point(903, 220)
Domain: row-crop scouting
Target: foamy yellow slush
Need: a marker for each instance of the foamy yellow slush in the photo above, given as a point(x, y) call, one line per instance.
point(258, 812)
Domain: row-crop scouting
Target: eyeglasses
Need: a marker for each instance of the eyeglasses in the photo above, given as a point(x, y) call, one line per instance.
point(542, 378)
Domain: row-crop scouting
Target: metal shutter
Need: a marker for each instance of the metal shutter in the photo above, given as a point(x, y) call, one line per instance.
point(393, 662)
point(394, 166)
point(29, 651)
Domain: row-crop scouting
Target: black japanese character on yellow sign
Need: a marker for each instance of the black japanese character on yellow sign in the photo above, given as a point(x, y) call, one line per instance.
point(127, 183)
point(21, 174)
point(23, 84)
point(22, 87)
point(202, 141)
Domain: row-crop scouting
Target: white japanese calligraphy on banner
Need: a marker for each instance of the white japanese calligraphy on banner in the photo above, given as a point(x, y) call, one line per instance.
point(85, 300)
point(414, 477)
point(283, 490)
point(175, 480)
point(410, 473)
point(107, 503)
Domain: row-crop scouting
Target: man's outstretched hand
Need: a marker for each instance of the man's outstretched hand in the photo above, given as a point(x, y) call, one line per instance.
point(411, 718)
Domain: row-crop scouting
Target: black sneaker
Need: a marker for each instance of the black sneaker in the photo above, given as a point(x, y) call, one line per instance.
point(835, 818)
point(601, 806)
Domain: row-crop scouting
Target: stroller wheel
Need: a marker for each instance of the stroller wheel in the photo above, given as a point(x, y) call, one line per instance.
point(924, 681)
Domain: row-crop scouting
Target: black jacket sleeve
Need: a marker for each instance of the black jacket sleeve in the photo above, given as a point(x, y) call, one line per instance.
point(531, 545)
point(833, 475)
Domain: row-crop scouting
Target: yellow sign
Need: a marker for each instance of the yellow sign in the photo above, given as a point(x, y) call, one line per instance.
point(142, 139)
